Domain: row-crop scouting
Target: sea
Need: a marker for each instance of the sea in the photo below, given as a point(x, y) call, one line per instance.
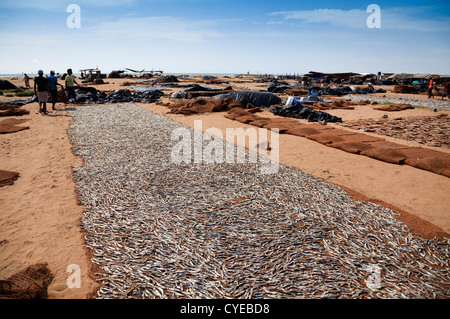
point(31, 75)
point(15, 75)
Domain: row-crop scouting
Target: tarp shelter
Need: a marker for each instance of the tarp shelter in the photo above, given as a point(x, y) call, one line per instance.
point(6, 85)
point(363, 75)
point(115, 74)
point(420, 76)
point(412, 76)
point(400, 76)
point(135, 71)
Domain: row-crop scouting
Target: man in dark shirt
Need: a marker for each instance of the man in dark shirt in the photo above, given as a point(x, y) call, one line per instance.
point(41, 89)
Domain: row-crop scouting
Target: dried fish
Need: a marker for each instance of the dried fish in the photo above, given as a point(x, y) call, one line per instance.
point(163, 230)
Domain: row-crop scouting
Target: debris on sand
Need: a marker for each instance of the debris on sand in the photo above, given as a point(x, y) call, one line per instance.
point(31, 283)
point(8, 178)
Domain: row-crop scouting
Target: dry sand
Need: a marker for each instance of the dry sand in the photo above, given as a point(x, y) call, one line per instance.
point(40, 217)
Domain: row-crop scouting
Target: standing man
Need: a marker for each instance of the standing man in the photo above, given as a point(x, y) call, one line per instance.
point(41, 89)
point(70, 82)
point(430, 88)
point(53, 84)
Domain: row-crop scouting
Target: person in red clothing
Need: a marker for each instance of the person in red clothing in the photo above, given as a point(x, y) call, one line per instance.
point(430, 88)
point(26, 79)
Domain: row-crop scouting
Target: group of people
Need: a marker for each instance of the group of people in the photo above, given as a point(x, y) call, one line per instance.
point(45, 86)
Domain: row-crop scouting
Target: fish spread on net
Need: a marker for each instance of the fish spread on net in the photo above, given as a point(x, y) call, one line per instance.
point(161, 230)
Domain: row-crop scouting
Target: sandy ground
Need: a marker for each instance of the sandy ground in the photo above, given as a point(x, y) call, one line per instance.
point(40, 217)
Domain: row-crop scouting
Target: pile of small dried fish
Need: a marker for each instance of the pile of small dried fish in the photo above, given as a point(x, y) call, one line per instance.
point(430, 130)
point(160, 230)
point(436, 103)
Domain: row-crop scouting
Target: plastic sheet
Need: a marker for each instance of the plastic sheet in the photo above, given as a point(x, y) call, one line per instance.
point(258, 99)
point(93, 96)
point(300, 111)
point(312, 99)
point(6, 85)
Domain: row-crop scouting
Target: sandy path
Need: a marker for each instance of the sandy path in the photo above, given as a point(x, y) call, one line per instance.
point(40, 218)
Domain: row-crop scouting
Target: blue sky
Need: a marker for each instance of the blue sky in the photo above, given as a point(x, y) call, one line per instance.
point(215, 36)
